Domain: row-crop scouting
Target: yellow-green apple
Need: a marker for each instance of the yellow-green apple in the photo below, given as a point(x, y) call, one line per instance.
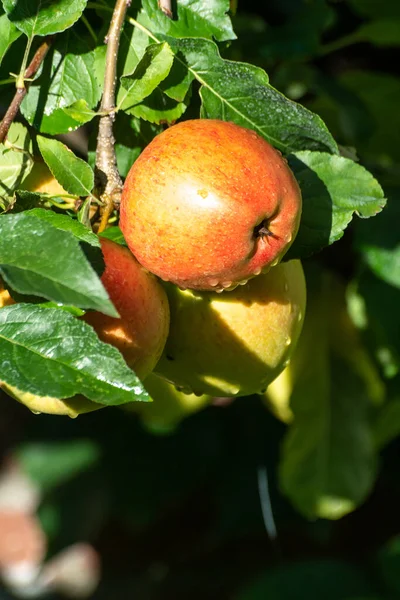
point(169, 406)
point(139, 334)
point(42, 181)
point(235, 343)
point(209, 204)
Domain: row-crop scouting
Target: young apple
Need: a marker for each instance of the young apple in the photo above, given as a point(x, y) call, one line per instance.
point(209, 204)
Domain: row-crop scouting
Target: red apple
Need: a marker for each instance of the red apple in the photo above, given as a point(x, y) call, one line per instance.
point(209, 204)
point(141, 332)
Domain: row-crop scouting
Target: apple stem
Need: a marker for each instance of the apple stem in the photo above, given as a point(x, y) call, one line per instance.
point(262, 230)
point(22, 90)
point(108, 179)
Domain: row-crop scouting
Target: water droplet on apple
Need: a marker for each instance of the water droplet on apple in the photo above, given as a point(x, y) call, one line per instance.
point(219, 290)
point(257, 271)
point(36, 412)
point(288, 341)
point(73, 416)
point(226, 284)
point(213, 282)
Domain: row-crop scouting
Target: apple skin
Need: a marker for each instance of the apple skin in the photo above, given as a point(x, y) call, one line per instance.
point(71, 407)
point(195, 203)
point(169, 406)
point(141, 332)
point(42, 181)
point(234, 344)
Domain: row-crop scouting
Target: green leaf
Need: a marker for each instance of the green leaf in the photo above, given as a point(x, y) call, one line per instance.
point(62, 97)
point(328, 457)
point(193, 18)
point(43, 257)
point(333, 189)
point(15, 160)
point(8, 34)
point(372, 8)
point(54, 463)
point(43, 17)
point(73, 173)
point(66, 223)
point(389, 563)
point(114, 234)
point(48, 352)
point(387, 425)
point(383, 32)
point(380, 305)
point(65, 120)
point(148, 74)
point(240, 92)
point(379, 242)
point(311, 580)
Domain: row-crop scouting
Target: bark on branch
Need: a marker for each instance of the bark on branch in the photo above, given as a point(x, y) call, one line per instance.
point(21, 92)
point(108, 180)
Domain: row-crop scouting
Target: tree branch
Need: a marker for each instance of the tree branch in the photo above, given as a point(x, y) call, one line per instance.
point(108, 180)
point(21, 92)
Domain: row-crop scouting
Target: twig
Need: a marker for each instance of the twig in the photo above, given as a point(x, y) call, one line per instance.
point(108, 180)
point(21, 92)
point(165, 7)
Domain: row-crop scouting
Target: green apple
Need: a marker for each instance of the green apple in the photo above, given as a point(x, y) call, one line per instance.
point(236, 343)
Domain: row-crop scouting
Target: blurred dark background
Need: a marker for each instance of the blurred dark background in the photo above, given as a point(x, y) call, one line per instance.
point(180, 516)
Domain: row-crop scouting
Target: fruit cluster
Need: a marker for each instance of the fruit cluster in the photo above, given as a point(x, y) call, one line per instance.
point(210, 208)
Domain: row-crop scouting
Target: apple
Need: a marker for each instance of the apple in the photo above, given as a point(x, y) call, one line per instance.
point(169, 407)
point(5, 298)
point(42, 181)
point(71, 407)
point(209, 204)
point(234, 344)
point(141, 332)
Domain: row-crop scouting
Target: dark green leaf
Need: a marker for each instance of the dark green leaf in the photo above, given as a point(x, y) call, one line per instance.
point(65, 223)
point(379, 242)
point(8, 34)
point(114, 234)
point(328, 579)
point(15, 160)
point(328, 458)
point(43, 257)
point(153, 68)
point(62, 97)
point(240, 92)
point(73, 173)
point(387, 425)
point(372, 8)
point(383, 32)
point(193, 18)
point(389, 563)
point(43, 17)
point(48, 352)
point(334, 188)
